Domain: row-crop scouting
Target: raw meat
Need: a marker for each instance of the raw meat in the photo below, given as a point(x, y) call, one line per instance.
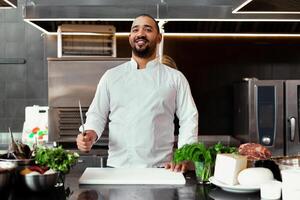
point(255, 151)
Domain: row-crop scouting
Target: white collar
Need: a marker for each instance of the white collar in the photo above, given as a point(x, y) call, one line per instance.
point(151, 64)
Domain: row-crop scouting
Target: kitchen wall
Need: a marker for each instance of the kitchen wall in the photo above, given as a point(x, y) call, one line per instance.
point(211, 64)
point(20, 84)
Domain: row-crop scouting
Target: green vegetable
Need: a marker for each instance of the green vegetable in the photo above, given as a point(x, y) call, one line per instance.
point(56, 158)
point(197, 152)
point(190, 152)
point(220, 148)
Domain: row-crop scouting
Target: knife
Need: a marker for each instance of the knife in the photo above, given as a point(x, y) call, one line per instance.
point(81, 118)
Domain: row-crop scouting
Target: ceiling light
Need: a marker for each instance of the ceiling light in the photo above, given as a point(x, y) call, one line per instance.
point(268, 7)
point(5, 4)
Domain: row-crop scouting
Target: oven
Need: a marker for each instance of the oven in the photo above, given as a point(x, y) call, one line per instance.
point(267, 112)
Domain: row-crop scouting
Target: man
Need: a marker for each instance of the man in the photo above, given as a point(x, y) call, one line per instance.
point(140, 98)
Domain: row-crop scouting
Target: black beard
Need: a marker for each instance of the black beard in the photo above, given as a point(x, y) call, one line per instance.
point(145, 53)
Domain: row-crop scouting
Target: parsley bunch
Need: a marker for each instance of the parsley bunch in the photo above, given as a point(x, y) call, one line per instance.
point(56, 158)
point(203, 158)
point(198, 152)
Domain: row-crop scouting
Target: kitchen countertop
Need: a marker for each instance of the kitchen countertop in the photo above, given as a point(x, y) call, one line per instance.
point(73, 191)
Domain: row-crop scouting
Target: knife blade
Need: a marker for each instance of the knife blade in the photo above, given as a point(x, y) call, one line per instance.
point(81, 118)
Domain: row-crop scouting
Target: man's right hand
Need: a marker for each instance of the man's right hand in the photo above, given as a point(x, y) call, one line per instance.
point(85, 142)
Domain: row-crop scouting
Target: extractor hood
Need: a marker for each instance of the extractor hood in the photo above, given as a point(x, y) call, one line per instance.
point(269, 7)
point(182, 16)
point(8, 4)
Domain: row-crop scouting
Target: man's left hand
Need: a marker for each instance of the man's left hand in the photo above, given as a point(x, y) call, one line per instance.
point(180, 167)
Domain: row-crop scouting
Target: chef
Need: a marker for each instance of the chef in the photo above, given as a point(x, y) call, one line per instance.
point(139, 99)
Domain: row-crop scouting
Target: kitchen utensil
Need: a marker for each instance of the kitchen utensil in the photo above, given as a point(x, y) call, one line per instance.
point(40, 182)
point(6, 172)
point(96, 175)
point(287, 162)
point(270, 190)
point(17, 162)
point(81, 118)
point(234, 188)
point(12, 147)
point(290, 184)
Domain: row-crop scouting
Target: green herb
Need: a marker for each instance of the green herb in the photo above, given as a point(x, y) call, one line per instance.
point(190, 152)
point(220, 148)
point(197, 152)
point(56, 158)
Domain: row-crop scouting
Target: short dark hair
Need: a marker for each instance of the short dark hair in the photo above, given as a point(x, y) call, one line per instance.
point(147, 15)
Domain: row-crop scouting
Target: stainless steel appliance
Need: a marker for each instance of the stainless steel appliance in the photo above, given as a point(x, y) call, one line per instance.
point(71, 80)
point(267, 112)
point(86, 40)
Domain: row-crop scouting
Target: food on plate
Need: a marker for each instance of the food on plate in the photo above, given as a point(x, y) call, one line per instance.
point(255, 176)
point(255, 151)
point(228, 166)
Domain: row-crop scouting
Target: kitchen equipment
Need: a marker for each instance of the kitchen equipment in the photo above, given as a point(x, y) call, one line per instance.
point(12, 147)
point(6, 173)
point(234, 188)
point(131, 176)
point(290, 184)
point(270, 190)
point(35, 128)
point(20, 163)
point(81, 119)
point(266, 112)
point(68, 81)
point(86, 40)
point(288, 162)
point(40, 182)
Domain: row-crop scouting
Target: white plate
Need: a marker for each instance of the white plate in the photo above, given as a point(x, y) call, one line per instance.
point(234, 188)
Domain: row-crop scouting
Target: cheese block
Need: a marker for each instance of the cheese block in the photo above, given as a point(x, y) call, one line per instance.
point(228, 166)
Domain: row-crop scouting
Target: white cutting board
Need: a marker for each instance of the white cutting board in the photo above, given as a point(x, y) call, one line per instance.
point(95, 175)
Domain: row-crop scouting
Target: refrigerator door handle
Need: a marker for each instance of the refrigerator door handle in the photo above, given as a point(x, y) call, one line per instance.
point(293, 128)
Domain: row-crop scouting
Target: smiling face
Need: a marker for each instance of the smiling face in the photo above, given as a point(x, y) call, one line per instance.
point(144, 37)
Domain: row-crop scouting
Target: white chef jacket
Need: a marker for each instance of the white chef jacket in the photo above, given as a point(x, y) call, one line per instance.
point(140, 105)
